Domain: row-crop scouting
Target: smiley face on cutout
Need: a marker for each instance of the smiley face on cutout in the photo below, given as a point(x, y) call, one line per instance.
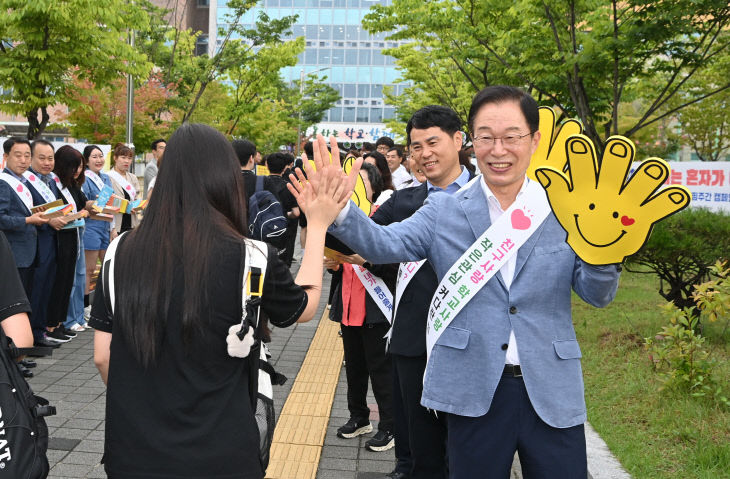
point(606, 216)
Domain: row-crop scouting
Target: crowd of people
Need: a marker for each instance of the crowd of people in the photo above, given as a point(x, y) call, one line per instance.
point(503, 372)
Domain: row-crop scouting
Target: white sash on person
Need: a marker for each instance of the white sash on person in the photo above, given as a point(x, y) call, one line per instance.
point(23, 193)
point(66, 193)
point(484, 258)
point(42, 188)
point(123, 183)
point(406, 271)
point(377, 289)
point(96, 179)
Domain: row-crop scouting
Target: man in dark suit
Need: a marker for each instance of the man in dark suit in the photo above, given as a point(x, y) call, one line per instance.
point(16, 219)
point(417, 429)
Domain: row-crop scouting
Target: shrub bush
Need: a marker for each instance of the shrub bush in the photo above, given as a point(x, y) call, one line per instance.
point(681, 250)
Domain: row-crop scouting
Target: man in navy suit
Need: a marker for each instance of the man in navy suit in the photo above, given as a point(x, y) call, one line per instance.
point(506, 369)
point(16, 219)
point(435, 138)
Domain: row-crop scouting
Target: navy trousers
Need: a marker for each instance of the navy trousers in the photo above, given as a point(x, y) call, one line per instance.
point(484, 446)
point(425, 430)
point(43, 279)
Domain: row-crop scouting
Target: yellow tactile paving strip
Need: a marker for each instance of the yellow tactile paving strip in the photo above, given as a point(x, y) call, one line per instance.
point(301, 427)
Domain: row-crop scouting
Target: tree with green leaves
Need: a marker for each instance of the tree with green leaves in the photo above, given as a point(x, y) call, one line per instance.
point(585, 57)
point(46, 44)
point(100, 114)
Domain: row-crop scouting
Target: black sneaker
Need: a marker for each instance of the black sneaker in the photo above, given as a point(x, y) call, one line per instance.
point(57, 336)
point(382, 441)
point(44, 342)
point(67, 332)
point(354, 427)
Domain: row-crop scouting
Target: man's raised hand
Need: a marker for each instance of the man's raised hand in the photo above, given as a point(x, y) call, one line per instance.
point(607, 216)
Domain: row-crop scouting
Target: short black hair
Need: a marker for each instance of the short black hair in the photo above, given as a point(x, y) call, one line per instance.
point(40, 142)
point(14, 140)
point(277, 162)
point(434, 115)
point(367, 146)
point(309, 150)
point(501, 94)
point(157, 142)
point(384, 140)
point(244, 150)
point(397, 150)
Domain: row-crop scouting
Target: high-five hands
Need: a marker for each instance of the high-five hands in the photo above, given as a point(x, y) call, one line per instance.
point(325, 189)
point(608, 217)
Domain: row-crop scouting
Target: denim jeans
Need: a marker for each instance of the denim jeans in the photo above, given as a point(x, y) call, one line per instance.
point(75, 313)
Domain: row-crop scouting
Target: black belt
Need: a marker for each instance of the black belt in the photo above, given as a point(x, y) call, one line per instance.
point(513, 370)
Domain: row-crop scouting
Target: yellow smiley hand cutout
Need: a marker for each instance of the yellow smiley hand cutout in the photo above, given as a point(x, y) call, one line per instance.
point(608, 218)
point(551, 149)
point(359, 195)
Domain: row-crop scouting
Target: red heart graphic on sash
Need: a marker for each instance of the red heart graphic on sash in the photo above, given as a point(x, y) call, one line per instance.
point(129, 187)
point(32, 177)
point(626, 221)
point(519, 220)
point(19, 188)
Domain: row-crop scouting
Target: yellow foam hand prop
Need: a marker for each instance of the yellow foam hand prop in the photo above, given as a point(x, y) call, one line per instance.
point(608, 218)
point(551, 150)
point(359, 195)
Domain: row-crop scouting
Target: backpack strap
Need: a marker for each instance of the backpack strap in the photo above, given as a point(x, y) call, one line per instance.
point(259, 183)
point(256, 259)
point(108, 277)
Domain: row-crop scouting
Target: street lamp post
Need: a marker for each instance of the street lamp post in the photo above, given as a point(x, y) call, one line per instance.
point(130, 103)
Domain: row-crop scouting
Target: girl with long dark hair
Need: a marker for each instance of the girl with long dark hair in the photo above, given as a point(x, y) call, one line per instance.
point(177, 404)
point(69, 168)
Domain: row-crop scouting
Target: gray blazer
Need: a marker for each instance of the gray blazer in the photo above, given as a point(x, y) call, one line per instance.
point(21, 236)
point(468, 359)
point(150, 172)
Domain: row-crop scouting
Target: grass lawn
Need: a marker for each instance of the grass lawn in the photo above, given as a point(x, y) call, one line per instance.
point(653, 434)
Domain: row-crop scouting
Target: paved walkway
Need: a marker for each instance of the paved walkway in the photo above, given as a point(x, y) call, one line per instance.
point(310, 407)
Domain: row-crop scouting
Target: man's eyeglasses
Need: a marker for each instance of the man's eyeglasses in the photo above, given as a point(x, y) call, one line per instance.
point(507, 140)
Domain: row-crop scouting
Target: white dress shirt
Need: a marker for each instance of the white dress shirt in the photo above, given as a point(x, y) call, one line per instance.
point(508, 270)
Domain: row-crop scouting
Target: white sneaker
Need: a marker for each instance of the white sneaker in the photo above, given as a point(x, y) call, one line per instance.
point(77, 328)
point(87, 312)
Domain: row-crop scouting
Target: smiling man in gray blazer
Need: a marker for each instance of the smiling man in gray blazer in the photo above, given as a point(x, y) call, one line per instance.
point(507, 368)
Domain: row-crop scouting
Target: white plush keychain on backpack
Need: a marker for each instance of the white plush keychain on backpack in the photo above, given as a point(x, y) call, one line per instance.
point(238, 345)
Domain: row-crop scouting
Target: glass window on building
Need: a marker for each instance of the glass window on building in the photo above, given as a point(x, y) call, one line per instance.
point(300, 3)
point(310, 56)
point(325, 3)
point(363, 115)
point(336, 114)
point(364, 56)
point(378, 58)
point(338, 56)
point(388, 113)
point(312, 32)
point(352, 32)
point(285, 3)
point(340, 3)
point(298, 31)
point(325, 56)
point(350, 57)
point(376, 115)
point(363, 91)
point(272, 3)
point(376, 90)
point(338, 32)
point(201, 45)
point(313, 3)
point(350, 90)
point(353, 3)
point(325, 32)
point(348, 114)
